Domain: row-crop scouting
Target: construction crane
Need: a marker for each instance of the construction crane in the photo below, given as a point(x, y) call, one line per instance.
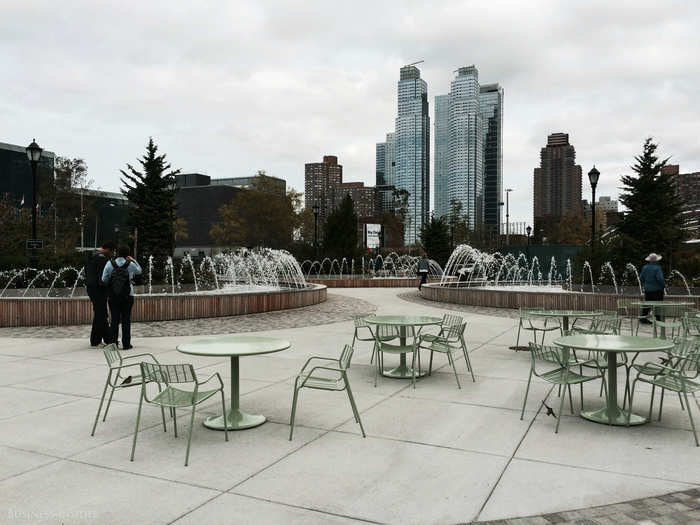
point(419, 62)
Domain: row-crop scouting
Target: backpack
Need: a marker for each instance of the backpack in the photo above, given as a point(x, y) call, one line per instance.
point(94, 264)
point(119, 281)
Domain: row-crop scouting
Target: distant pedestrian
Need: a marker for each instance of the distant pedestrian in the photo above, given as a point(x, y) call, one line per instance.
point(97, 292)
point(652, 279)
point(423, 266)
point(119, 275)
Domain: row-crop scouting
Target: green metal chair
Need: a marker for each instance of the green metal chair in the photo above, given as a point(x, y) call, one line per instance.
point(453, 338)
point(165, 376)
point(360, 324)
point(608, 324)
point(384, 334)
point(533, 323)
point(628, 311)
point(118, 363)
point(672, 325)
point(681, 375)
point(561, 374)
point(691, 324)
point(326, 377)
point(448, 321)
point(447, 349)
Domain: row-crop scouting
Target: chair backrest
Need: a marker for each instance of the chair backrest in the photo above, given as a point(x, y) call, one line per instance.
point(112, 355)
point(691, 323)
point(689, 365)
point(449, 320)
point(684, 346)
point(387, 330)
point(167, 374)
point(346, 357)
point(550, 354)
point(454, 331)
point(623, 306)
point(361, 320)
point(606, 324)
point(675, 311)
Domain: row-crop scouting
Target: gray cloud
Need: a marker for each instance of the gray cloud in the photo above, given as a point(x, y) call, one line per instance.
point(230, 87)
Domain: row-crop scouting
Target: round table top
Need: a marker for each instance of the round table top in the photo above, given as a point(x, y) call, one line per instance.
point(614, 343)
point(662, 303)
point(564, 313)
point(404, 320)
point(234, 345)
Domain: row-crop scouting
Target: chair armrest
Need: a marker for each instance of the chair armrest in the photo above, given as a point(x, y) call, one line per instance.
point(141, 355)
point(214, 375)
point(318, 358)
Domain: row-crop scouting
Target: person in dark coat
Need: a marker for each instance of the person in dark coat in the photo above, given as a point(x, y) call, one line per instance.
point(423, 266)
point(97, 292)
point(121, 301)
point(653, 282)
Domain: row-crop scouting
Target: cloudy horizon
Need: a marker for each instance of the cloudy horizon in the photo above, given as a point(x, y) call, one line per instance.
point(273, 85)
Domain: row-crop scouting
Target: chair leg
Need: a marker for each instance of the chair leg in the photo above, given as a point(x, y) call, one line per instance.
point(581, 388)
point(175, 422)
point(452, 362)
point(99, 408)
point(465, 351)
point(651, 404)
point(527, 390)
point(571, 401)
point(294, 408)
point(661, 402)
point(681, 400)
point(629, 413)
point(430, 364)
point(136, 430)
point(517, 341)
point(692, 423)
point(189, 437)
point(413, 370)
point(561, 409)
point(374, 349)
point(109, 402)
point(354, 407)
point(223, 414)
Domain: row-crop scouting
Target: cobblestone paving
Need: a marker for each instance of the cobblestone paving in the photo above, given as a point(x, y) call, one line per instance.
point(336, 309)
point(671, 509)
point(416, 297)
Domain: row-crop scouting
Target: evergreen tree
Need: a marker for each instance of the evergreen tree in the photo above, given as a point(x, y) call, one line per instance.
point(435, 237)
point(152, 195)
point(653, 219)
point(340, 231)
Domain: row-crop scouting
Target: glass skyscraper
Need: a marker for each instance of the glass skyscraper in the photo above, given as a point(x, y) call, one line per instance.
point(441, 173)
point(468, 149)
point(491, 103)
point(413, 150)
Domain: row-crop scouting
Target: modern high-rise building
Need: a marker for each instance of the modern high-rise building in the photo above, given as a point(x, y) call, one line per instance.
point(491, 107)
point(557, 182)
point(380, 159)
point(386, 173)
point(440, 154)
point(390, 164)
point(412, 153)
point(319, 179)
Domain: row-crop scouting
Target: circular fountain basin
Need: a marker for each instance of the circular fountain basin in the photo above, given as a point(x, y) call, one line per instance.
point(61, 311)
point(554, 298)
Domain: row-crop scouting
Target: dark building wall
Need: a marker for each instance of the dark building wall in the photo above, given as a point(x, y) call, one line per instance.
point(16, 173)
point(199, 206)
point(192, 179)
point(557, 182)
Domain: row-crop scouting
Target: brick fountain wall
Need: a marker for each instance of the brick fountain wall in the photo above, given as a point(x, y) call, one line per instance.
point(60, 311)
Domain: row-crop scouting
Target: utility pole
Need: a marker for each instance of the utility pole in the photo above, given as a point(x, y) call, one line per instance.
point(508, 190)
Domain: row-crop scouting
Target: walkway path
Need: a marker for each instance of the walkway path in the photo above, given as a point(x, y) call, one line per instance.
point(433, 454)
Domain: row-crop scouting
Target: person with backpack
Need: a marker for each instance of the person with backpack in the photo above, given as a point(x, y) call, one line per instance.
point(118, 275)
point(97, 292)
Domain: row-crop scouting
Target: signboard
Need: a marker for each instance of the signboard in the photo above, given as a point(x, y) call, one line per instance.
point(34, 244)
point(373, 234)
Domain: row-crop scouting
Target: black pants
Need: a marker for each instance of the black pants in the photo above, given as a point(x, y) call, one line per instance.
point(121, 313)
point(100, 326)
point(657, 295)
point(423, 278)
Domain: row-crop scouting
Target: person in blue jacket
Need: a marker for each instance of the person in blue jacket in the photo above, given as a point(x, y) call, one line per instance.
point(653, 282)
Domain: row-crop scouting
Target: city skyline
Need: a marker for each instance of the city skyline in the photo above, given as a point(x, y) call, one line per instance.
point(289, 95)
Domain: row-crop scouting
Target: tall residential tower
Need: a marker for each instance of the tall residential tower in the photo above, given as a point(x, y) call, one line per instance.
point(491, 106)
point(412, 154)
point(557, 182)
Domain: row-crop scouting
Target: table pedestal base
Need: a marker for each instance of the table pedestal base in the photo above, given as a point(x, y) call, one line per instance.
point(619, 419)
point(235, 420)
point(403, 372)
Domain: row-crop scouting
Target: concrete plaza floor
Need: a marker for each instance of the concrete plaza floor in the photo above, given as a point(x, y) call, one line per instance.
point(433, 454)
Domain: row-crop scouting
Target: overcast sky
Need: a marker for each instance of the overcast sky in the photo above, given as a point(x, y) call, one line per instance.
point(227, 88)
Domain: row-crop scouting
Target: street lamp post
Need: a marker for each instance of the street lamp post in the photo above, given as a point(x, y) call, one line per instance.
point(528, 230)
point(593, 176)
point(315, 209)
point(498, 227)
point(34, 154)
point(508, 190)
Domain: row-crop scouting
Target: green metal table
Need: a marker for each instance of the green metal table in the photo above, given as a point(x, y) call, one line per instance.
point(403, 371)
point(564, 314)
point(234, 346)
point(660, 306)
point(611, 413)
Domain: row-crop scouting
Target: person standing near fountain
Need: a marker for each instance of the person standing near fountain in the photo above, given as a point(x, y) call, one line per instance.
point(652, 279)
point(423, 266)
point(119, 275)
point(97, 292)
